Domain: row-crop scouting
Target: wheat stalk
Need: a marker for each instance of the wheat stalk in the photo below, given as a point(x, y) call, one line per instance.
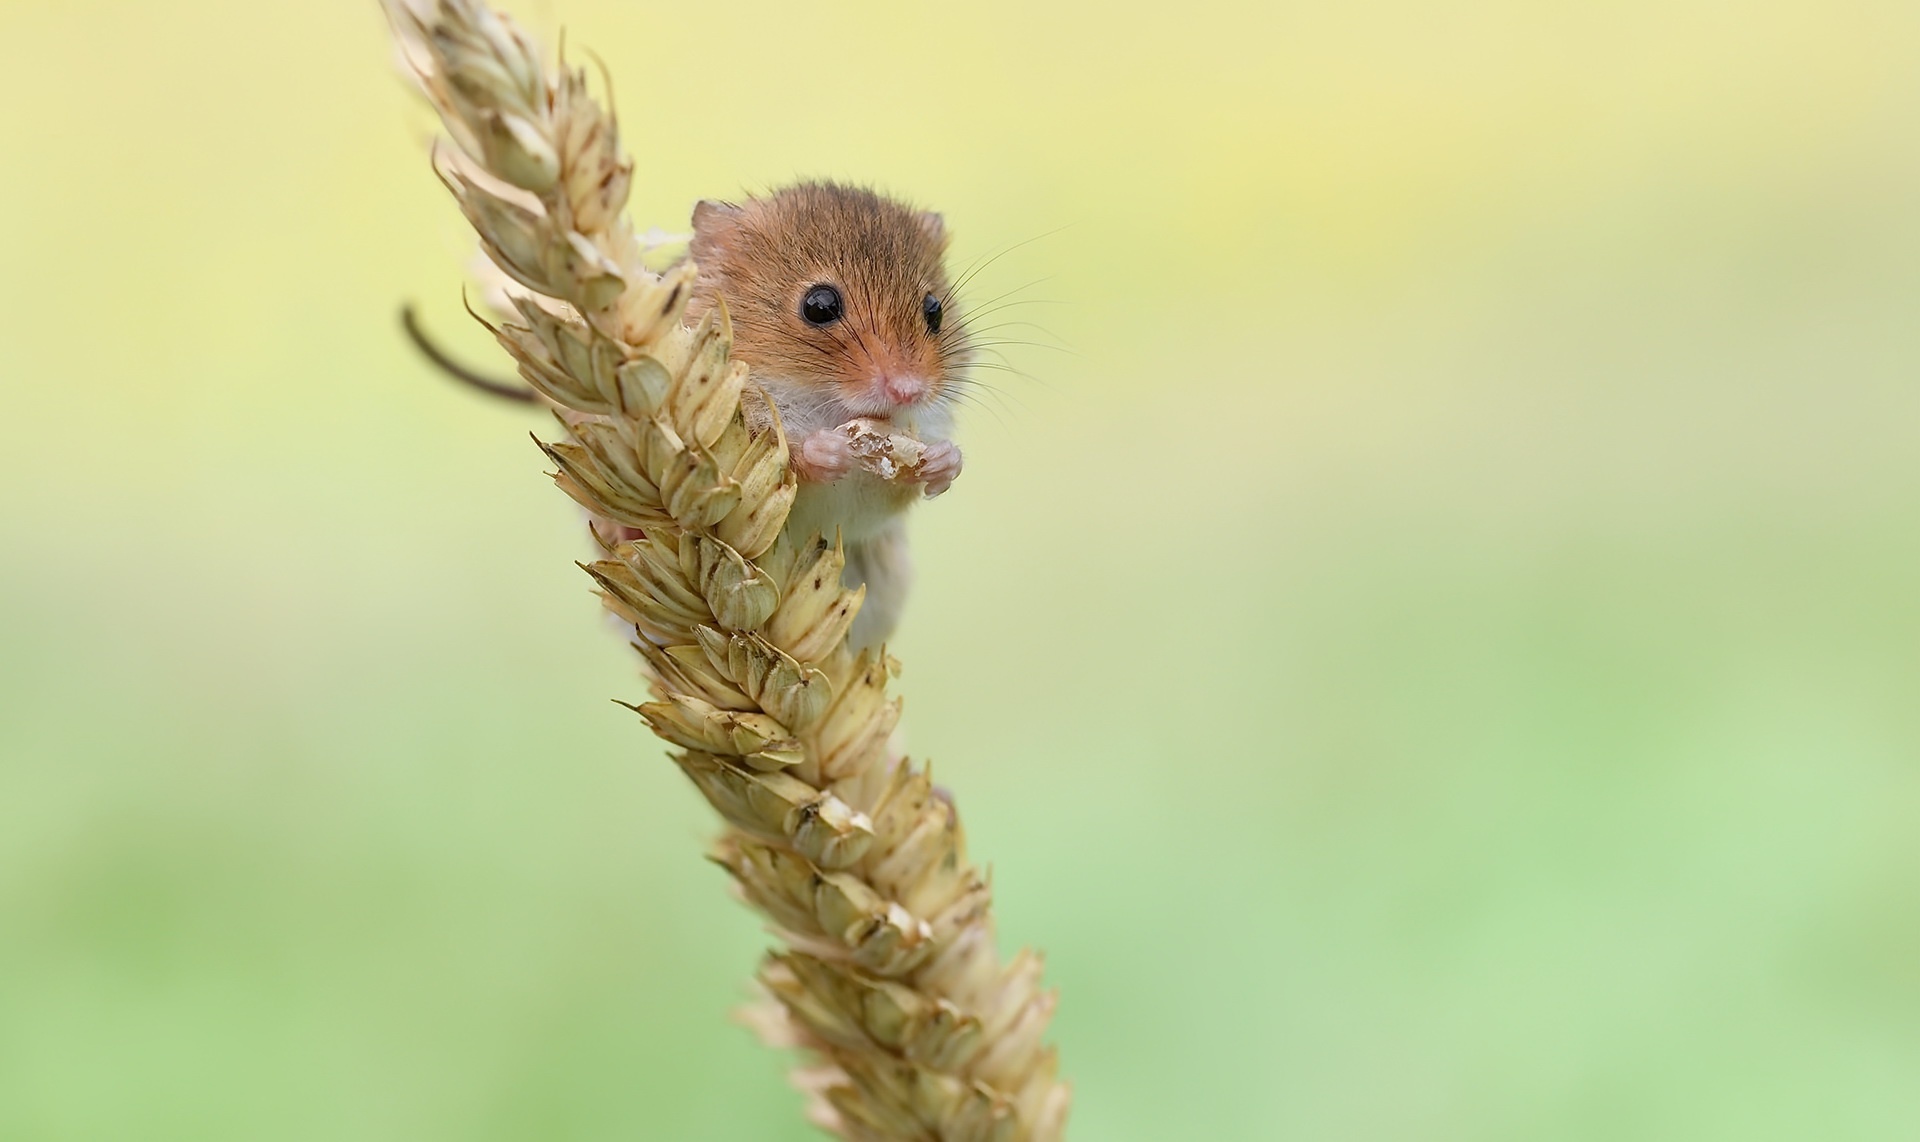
point(889, 980)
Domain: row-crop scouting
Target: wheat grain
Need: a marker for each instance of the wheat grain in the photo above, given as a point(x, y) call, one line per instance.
point(888, 978)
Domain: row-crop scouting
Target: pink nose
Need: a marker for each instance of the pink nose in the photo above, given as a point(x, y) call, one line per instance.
point(903, 388)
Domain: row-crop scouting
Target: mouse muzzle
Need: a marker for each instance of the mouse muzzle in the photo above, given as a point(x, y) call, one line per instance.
point(901, 388)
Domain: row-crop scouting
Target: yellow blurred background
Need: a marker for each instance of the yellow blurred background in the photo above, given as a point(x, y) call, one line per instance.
point(1431, 652)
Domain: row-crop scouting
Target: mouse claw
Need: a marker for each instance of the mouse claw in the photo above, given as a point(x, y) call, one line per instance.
point(939, 467)
point(823, 456)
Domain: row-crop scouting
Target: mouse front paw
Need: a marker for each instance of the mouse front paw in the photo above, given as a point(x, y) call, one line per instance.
point(823, 456)
point(939, 467)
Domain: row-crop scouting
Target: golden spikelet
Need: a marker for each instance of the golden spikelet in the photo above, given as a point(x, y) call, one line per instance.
point(889, 979)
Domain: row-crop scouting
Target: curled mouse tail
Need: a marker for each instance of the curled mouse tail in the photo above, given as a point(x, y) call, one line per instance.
point(504, 390)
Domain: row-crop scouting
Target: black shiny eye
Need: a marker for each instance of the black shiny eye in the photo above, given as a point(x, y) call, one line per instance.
point(932, 308)
point(822, 305)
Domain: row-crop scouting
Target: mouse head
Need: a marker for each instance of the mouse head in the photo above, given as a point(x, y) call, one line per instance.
point(836, 288)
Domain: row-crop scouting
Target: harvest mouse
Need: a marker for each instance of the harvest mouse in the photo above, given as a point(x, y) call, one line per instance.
point(843, 311)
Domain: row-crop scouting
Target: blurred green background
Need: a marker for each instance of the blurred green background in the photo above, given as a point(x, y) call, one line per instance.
point(1434, 657)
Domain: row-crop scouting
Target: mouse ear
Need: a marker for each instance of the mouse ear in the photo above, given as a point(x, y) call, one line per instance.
point(934, 226)
point(714, 227)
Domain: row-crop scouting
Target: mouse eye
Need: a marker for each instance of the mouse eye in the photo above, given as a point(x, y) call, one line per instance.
point(932, 308)
point(822, 305)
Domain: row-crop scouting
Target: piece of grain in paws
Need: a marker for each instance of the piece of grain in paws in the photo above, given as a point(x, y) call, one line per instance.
point(885, 453)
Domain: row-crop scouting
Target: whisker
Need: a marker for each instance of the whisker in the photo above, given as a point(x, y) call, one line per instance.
point(1014, 291)
point(979, 265)
point(974, 317)
point(986, 345)
point(998, 405)
point(1035, 326)
point(1011, 370)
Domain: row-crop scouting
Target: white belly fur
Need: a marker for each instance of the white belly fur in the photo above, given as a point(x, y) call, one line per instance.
point(865, 511)
point(860, 504)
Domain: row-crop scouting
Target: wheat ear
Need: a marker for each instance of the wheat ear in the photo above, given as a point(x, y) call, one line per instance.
point(888, 980)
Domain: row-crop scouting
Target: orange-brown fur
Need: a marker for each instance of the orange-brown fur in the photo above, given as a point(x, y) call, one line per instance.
point(883, 256)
